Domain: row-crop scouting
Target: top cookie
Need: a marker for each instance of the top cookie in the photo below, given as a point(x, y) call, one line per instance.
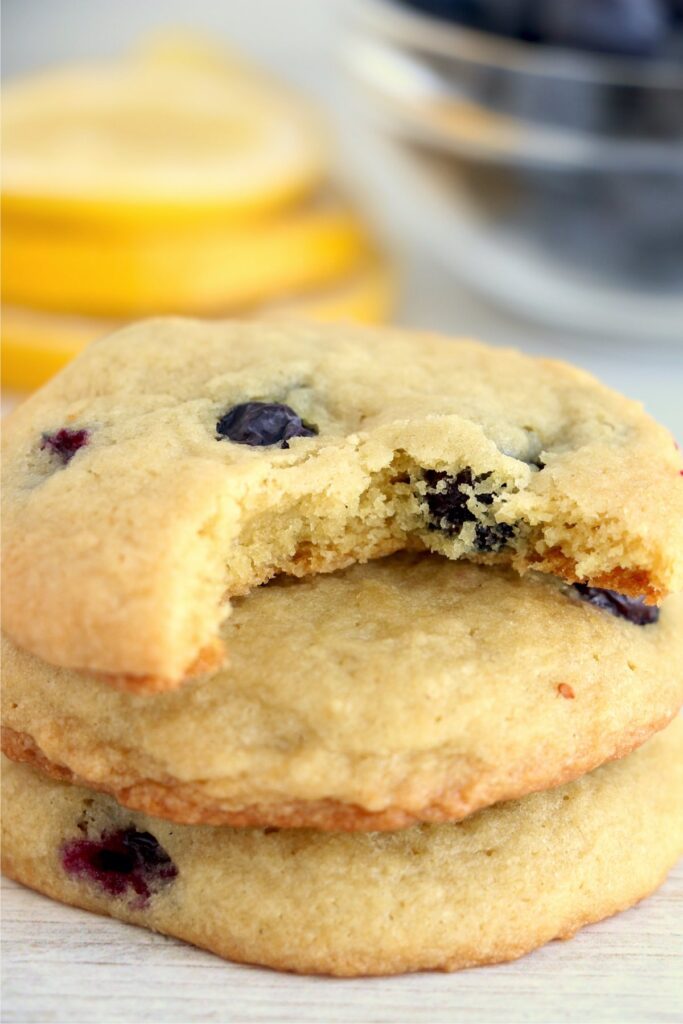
point(177, 462)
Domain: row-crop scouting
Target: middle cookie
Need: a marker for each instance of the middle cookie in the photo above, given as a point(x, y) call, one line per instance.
point(409, 689)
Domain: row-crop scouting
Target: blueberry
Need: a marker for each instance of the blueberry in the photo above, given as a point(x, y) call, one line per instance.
point(448, 505)
point(121, 862)
point(448, 499)
point(629, 27)
point(492, 538)
point(633, 609)
point(65, 443)
point(261, 424)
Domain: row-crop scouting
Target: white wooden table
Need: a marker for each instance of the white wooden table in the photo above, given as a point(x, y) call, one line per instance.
point(63, 965)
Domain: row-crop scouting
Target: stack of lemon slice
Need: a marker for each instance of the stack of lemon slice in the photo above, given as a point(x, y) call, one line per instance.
point(174, 182)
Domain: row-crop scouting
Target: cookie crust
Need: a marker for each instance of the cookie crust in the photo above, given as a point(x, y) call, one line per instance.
point(186, 804)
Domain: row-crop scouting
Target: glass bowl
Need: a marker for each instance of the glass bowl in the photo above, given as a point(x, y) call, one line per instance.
point(561, 170)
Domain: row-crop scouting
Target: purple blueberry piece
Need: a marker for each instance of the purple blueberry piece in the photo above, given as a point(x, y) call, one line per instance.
point(65, 443)
point(125, 862)
point(633, 609)
point(492, 538)
point(448, 505)
point(261, 424)
point(448, 499)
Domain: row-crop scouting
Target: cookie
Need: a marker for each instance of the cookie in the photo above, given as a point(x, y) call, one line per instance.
point(207, 269)
point(433, 897)
point(409, 689)
point(155, 140)
point(178, 463)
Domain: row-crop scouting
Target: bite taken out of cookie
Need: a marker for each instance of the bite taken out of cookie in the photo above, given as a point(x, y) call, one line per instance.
point(178, 464)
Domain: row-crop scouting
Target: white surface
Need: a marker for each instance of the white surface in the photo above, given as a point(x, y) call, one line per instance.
point(62, 965)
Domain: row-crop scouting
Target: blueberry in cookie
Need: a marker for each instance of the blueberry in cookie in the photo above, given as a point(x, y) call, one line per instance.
point(64, 443)
point(120, 862)
point(262, 424)
point(631, 608)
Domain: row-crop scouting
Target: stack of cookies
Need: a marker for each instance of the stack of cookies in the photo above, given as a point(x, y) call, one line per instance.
point(330, 649)
point(179, 180)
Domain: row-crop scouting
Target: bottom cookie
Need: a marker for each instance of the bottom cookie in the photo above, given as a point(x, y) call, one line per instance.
point(484, 890)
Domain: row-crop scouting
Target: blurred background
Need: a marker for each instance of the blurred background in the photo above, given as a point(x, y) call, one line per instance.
point(507, 169)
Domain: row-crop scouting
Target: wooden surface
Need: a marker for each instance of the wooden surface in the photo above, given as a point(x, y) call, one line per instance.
point(64, 965)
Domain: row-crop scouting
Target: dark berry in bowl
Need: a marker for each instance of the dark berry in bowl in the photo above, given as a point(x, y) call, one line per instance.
point(124, 862)
point(464, 12)
point(634, 28)
point(633, 609)
point(513, 18)
point(628, 28)
point(262, 424)
point(65, 443)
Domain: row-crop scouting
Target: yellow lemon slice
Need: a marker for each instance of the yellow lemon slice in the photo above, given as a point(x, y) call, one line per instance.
point(193, 271)
point(36, 344)
point(161, 140)
point(367, 297)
